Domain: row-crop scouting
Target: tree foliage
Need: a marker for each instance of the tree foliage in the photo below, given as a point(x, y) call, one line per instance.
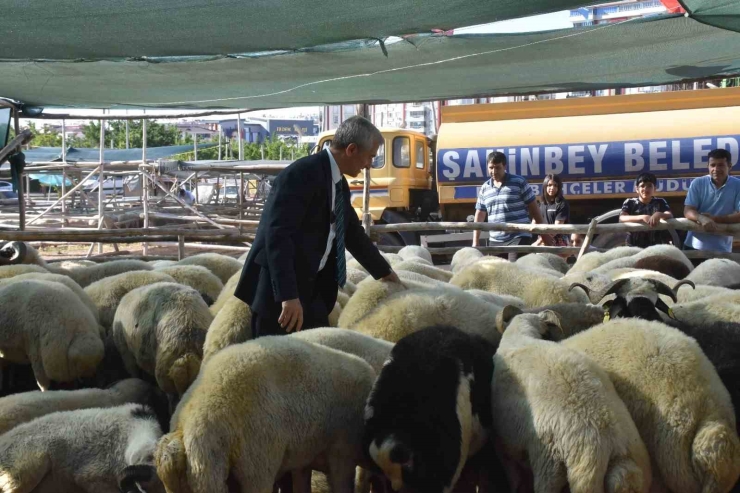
point(157, 134)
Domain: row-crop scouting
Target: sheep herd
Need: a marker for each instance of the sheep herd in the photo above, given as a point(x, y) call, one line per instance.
point(618, 374)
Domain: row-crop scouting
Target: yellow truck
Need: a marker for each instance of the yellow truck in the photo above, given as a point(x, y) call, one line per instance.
point(597, 145)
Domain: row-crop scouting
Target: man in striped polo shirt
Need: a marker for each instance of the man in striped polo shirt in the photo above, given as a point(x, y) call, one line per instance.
point(506, 198)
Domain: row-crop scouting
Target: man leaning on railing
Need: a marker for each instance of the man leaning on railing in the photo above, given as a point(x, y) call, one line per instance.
point(506, 198)
point(713, 199)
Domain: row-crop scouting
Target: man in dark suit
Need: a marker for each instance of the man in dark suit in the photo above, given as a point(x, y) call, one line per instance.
point(297, 260)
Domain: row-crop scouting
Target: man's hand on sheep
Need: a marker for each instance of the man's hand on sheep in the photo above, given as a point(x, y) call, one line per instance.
point(392, 277)
point(291, 318)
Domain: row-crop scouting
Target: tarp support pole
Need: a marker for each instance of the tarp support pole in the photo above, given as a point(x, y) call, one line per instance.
point(144, 185)
point(239, 132)
point(101, 180)
point(21, 192)
point(241, 198)
point(64, 173)
point(76, 187)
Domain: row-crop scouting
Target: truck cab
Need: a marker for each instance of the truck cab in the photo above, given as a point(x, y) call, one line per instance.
point(401, 181)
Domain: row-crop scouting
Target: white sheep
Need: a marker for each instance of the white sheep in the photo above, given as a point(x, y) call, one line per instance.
point(90, 450)
point(669, 251)
point(46, 324)
point(334, 314)
point(222, 265)
point(594, 260)
point(373, 350)
point(415, 251)
point(197, 277)
point(368, 295)
point(342, 298)
point(500, 300)
point(556, 411)
point(227, 293)
point(20, 408)
point(679, 404)
point(716, 308)
point(160, 329)
point(464, 257)
point(108, 292)
point(547, 261)
point(576, 316)
point(408, 311)
point(414, 265)
point(716, 272)
point(48, 276)
point(231, 325)
point(264, 408)
point(355, 276)
point(701, 291)
point(9, 271)
point(531, 286)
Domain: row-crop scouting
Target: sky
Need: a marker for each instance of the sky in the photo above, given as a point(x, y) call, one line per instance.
point(544, 22)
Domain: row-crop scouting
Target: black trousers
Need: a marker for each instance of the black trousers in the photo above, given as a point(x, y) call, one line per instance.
point(315, 313)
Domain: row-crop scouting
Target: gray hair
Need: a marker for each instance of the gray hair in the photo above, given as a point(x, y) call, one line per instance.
point(359, 131)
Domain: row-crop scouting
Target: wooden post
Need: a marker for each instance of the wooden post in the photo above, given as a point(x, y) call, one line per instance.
point(21, 192)
point(144, 185)
point(241, 197)
point(64, 173)
point(101, 180)
point(180, 247)
point(589, 237)
point(239, 132)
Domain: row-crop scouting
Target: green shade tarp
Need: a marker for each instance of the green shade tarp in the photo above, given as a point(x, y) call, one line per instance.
point(102, 29)
point(652, 51)
point(85, 154)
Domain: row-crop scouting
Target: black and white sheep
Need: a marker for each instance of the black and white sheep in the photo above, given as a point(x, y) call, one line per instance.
point(556, 412)
point(264, 408)
point(47, 325)
point(91, 450)
point(159, 330)
point(430, 408)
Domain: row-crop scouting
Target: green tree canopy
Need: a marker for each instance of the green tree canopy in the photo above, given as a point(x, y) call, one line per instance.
point(157, 134)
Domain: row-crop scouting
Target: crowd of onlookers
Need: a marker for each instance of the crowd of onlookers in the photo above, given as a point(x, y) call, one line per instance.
point(711, 200)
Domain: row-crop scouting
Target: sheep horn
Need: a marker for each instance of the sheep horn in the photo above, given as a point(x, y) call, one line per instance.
point(583, 287)
point(611, 288)
point(130, 478)
point(681, 283)
point(660, 305)
point(662, 288)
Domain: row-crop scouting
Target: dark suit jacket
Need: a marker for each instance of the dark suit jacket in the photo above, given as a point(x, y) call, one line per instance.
point(291, 240)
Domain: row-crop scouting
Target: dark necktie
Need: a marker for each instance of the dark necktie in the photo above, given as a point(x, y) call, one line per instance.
point(339, 234)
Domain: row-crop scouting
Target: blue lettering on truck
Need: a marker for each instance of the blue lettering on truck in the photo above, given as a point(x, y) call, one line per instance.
point(588, 160)
point(605, 187)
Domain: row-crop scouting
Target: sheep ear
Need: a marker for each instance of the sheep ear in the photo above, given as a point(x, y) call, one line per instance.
point(607, 308)
point(507, 314)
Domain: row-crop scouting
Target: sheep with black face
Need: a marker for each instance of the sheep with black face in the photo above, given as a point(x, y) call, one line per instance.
point(430, 408)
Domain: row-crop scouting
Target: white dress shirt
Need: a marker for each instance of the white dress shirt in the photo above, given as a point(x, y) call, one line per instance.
point(336, 177)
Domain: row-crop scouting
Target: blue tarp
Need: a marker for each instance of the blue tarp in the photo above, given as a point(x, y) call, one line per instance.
point(76, 154)
point(53, 180)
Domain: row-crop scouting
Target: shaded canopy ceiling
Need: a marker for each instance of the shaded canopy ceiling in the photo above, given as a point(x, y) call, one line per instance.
point(222, 54)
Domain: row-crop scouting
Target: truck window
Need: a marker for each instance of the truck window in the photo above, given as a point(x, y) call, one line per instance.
point(379, 160)
point(401, 152)
point(419, 154)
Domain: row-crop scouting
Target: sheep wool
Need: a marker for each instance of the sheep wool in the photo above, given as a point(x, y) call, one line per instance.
point(160, 329)
point(85, 276)
point(374, 351)
point(464, 257)
point(8, 271)
point(20, 408)
point(107, 293)
point(408, 311)
point(661, 251)
point(547, 261)
point(47, 276)
point(222, 266)
point(415, 251)
point(46, 324)
point(557, 409)
point(102, 450)
point(676, 399)
point(300, 402)
point(594, 260)
point(508, 278)
point(716, 272)
point(424, 269)
point(231, 325)
point(226, 293)
point(197, 277)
